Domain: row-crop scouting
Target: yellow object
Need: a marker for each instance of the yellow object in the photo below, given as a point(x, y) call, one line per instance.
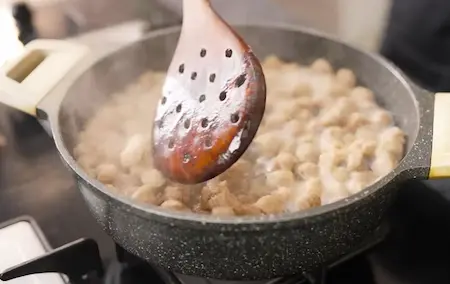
point(33, 75)
point(440, 155)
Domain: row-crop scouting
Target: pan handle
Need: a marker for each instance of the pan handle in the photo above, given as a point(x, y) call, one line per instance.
point(25, 81)
point(440, 153)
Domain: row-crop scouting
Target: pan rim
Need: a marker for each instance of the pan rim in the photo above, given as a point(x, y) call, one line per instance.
point(244, 223)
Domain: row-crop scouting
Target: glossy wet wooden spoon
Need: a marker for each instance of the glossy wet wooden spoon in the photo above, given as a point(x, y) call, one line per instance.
point(212, 102)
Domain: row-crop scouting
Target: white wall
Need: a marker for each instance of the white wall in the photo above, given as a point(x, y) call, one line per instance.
point(360, 22)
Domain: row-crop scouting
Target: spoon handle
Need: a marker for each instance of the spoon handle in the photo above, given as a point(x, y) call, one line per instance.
point(196, 10)
point(198, 15)
point(195, 4)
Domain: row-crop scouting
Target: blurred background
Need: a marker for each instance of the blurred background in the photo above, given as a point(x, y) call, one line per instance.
point(401, 29)
point(62, 18)
point(360, 22)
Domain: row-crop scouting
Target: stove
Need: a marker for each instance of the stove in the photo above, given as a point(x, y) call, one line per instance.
point(32, 260)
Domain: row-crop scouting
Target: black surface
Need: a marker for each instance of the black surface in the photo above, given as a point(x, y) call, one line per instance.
point(34, 182)
point(417, 39)
point(24, 22)
point(140, 274)
point(79, 260)
point(418, 247)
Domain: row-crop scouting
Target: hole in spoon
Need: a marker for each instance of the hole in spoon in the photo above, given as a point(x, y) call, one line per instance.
point(186, 158)
point(204, 122)
point(208, 142)
point(181, 68)
point(193, 75)
point(187, 123)
point(202, 52)
point(228, 53)
point(212, 77)
point(202, 98)
point(171, 144)
point(223, 95)
point(234, 117)
point(240, 80)
point(178, 109)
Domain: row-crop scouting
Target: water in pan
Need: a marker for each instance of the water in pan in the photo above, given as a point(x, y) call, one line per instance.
point(321, 139)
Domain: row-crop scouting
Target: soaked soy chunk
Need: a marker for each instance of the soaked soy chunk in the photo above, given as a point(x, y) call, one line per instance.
point(280, 178)
point(147, 194)
point(307, 170)
point(153, 178)
point(106, 173)
point(346, 77)
point(174, 205)
point(270, 204)
point(285, 161)
point(223, 211)
point(322, 66)
point(310, 195)
point(134, 151)
point(306, 152)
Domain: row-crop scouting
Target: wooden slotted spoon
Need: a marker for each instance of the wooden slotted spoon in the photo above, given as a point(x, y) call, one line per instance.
point(212, 101)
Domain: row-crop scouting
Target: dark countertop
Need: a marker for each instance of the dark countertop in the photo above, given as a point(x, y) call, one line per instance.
point(33, 181)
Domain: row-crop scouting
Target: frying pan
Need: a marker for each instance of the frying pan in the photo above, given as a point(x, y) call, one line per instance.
point(63, 85)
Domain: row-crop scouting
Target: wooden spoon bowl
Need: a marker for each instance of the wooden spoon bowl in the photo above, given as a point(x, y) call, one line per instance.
point(213, 99)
